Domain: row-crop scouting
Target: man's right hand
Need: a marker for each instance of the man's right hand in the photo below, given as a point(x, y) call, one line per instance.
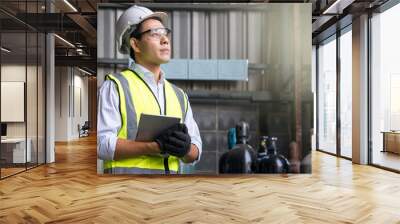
point(175, 141)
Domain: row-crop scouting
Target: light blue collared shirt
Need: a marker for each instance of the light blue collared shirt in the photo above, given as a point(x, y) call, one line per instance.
point(109, 117)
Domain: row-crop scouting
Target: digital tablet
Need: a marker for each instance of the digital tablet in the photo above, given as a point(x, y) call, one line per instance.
point(150, 126)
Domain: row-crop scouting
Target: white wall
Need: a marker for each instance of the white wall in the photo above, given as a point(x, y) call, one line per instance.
point(33, 127)
point(71, 94)
point(80, 100)
point(16, 73)
point(61, 103)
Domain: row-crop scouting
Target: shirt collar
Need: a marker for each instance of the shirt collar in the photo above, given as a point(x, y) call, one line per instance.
point(144, 72)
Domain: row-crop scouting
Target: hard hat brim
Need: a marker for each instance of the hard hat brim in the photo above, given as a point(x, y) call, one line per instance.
point(160, 15)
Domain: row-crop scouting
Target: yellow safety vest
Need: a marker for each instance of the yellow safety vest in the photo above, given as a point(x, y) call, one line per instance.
point(136, 98)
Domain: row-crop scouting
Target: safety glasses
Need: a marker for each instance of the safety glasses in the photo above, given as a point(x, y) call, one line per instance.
point(155, 33)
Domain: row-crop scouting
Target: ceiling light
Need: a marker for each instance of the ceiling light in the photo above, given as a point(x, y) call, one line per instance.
point(5, 50)
point(331, 7)
point(84, 71)
point(65, 41)
point(338, 6)
point(70, 5)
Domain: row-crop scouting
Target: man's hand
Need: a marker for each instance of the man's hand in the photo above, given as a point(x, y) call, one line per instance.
point(175, 141)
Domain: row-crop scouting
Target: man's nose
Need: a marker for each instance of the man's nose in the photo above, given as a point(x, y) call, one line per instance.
point(164, 39)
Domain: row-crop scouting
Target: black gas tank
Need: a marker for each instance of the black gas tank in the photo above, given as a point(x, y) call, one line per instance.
point(269, 161)
point(242, 158)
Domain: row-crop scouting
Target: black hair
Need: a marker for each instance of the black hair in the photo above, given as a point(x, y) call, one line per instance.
point(136, 34)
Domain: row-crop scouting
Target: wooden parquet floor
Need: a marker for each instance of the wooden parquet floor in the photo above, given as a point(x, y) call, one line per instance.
point(70, 191)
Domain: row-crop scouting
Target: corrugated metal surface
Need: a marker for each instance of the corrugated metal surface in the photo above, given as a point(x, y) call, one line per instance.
point(181, 24)
point(118, 55)
point(106, 44)
point(197, 34)
point(275, 38)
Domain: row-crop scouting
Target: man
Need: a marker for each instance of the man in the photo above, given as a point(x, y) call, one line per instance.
point(143, 89)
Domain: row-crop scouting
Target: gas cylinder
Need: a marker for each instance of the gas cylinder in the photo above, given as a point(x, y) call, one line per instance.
point(242, 158)
point(268, 160)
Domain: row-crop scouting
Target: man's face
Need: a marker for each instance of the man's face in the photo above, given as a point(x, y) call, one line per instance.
point(153, 49)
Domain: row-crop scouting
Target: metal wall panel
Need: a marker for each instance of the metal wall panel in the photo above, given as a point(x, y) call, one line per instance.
point(181, 37)
point(176, 69)
point(218, 35)
point(203, 69)
point(100, 32)
point(232, 70)
point(197, 34)
point(106, 30)
point(200, 40)
point(255, 42)
point(118, 55)
point(237, 35)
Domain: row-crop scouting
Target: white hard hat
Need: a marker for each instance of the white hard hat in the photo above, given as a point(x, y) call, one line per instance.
point(128, 21)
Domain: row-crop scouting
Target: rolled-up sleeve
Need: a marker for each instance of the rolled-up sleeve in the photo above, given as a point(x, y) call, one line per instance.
point(194, 132)
point(108, 120)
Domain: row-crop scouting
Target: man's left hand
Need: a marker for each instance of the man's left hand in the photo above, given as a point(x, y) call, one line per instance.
point(178, 143)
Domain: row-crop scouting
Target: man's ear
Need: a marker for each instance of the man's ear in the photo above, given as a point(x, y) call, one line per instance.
point(135, 45)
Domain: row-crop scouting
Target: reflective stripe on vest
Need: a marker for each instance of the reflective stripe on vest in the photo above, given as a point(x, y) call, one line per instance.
point(134, 170)
point(137, 98)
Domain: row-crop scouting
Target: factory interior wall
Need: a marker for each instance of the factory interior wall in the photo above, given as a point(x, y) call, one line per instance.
point(279, 75)
point(286, 60)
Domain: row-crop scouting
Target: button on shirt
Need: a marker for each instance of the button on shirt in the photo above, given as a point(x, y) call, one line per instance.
point(109, 117)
